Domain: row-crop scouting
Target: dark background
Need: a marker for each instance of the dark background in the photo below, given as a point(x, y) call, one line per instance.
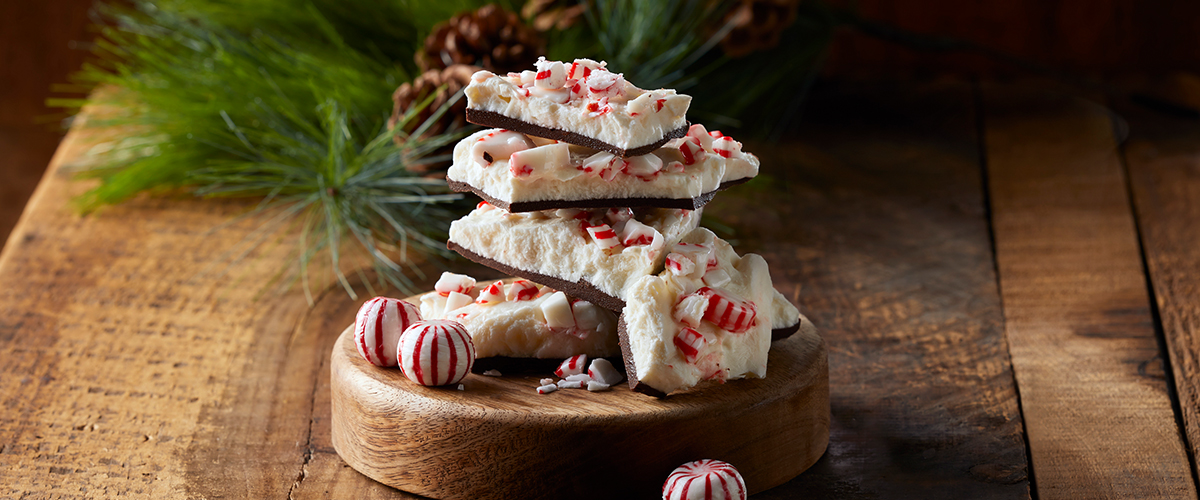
point(42, 41)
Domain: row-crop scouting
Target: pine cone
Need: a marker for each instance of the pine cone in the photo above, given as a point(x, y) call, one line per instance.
point(556, 14)
point(490, 37)
point(410, 94)
point(757, 25)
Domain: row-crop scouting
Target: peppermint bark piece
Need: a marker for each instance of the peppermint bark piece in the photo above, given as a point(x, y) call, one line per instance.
point(709, 316)
point(580, 103)
point(592, 255)
point(520, 173)
point(520, 319)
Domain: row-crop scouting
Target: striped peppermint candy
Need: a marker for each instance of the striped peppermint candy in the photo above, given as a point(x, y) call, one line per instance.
point(378, 326)
point(704, 480)
point(728, 313)
point(604, 236)
point(436, 352)
point(571, 366)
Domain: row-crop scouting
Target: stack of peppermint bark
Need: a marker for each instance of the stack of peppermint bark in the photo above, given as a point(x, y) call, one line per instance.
point(594, 187)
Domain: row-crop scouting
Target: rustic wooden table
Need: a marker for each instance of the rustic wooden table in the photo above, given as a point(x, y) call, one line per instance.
point(1008, 290)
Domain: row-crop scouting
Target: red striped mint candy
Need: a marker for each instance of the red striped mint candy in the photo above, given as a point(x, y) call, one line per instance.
point(378, 326)
point(521, 290)
point(436, 352)
point(728, 313)
point(689, 342)
point(606, 237)
point(704, 480)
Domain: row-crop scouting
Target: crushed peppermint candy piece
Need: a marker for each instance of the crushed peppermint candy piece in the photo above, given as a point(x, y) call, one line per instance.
point(571, 366)
point(594, 386)
point(547, 389)
point(498, 145)
point(717, 278)
point(679, 264)
point(455, 301)
point(546, 381)
point(557, 311)
point(689, 342)
point(533, 163)
point(462, 387)
point(690, 309)
point(572, 384)
point(601, 370)
point(450, 282)
point(726, 147)
point(492, 373)
point(604, 236)
point(636, 234)
point(728, 313)
point(550, 74)
point(491, 294)
point(702, 137)
point(521, 290)
point(578, 377)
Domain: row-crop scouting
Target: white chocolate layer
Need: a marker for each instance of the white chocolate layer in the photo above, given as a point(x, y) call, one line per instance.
point(619, 114)
point(651, 324)
point(518, 328)
point(553, 243)
point(581, 179)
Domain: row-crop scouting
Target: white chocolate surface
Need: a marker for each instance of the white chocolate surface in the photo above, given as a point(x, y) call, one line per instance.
point(617, 113)
point(555, 245)
point(570, 180)
point(651, 324)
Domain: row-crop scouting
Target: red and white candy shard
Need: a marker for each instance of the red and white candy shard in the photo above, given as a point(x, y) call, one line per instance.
point(704, 480)
point(436, 352)
point(679, 264)
point(455, 300)
point(726, 147)
point(601, 370)
point(692, 151)
point(378, 326)
point(701, 136)
point(534, 163)
point(550, 74)
point(690, 309)
point(604, 236)
point(521, 290)
point(450, 282)
point(571, 366)
point(491, 294)
point(635, 234)
point(728, 313)
point(689, 342)
point(498, 145)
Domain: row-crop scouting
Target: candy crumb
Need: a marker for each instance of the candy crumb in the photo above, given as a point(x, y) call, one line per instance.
point(492, 373)
point(547, 389)
point(462, 387)
point(579, 377)
point(546, 381)
point(571, 384)
point(595, 386)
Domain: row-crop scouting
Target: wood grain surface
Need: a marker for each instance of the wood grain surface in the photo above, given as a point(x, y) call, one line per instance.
point(1163, 161)
point(1078, 316)
point(873, 220)
point(498, 439)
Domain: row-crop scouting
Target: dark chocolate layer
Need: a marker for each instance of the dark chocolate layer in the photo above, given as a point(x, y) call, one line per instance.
point(533, 206)
point(582, 289)
point(497, 120)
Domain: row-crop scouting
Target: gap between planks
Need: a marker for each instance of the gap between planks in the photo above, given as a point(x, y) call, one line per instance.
point(1077, 312)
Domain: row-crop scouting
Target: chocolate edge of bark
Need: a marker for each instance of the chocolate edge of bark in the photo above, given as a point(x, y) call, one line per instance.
point(635, 385)
point(596, 203)
point(497, 120)
point(582, 289)
point(785, 332)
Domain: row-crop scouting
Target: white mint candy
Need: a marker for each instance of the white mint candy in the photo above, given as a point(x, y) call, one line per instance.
point(450, 282)
point(557, 310)
point(436, 352)
point(595, 386)
point(533, 163)
point(644, 167)
point(378, 326)
point(705, 480)
point(456, 300)
point(604, 372)
point(690, 309)
point(589, 317)
point(717, 277)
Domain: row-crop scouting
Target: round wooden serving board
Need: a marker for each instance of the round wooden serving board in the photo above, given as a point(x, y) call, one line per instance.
point(498, 438)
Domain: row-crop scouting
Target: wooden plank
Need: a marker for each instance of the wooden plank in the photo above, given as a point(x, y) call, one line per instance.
point(1163, 160)
point(130, 370)
point(1076, 308)
point(872, 218)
